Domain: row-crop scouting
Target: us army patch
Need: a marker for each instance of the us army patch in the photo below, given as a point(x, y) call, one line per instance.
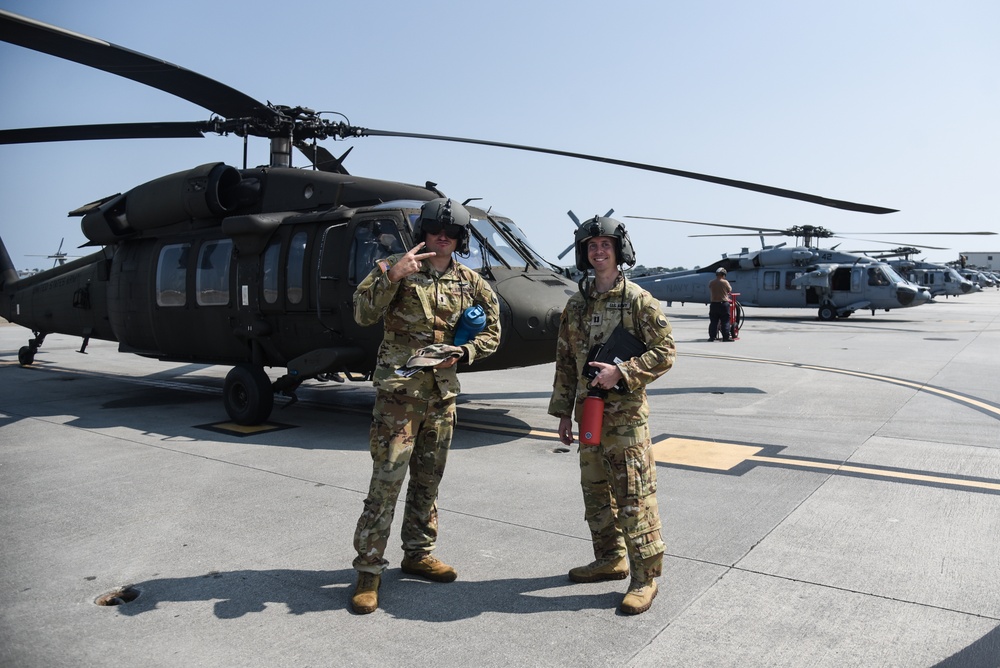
point(661, 321)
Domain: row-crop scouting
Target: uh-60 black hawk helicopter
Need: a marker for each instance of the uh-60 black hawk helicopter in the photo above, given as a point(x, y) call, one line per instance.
point(256, 267)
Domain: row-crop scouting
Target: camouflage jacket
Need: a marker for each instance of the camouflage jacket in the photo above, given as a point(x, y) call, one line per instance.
point(422, 309)
point(589, 320)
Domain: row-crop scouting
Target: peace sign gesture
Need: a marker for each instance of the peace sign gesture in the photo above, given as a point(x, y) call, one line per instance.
point(408, 264)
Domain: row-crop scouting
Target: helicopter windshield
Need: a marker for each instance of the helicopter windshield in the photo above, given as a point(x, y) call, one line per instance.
point(893, 276)
point(503, 243)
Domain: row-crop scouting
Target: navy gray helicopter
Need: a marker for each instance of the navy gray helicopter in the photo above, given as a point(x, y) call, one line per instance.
point(255, 267)
point(939, 279)
point(835, 283)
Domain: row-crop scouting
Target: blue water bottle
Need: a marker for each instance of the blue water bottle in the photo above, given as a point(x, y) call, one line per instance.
point(472, 322)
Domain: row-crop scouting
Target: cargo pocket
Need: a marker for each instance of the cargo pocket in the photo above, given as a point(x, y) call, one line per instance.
point(641, 471)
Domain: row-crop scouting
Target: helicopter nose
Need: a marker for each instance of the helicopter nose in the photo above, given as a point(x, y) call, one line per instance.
point(908, 295)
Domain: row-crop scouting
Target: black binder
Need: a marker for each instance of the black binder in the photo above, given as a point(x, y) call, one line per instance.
point(620, 347)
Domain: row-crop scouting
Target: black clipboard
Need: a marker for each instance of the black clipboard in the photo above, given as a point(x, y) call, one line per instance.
point(620, 347)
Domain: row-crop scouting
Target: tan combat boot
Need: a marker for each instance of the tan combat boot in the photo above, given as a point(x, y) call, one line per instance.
point(602, 569)
point(639, 597)
point(365, 597)
point(427, 566)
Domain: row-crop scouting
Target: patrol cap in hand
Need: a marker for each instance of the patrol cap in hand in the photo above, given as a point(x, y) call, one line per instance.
point(433, 355)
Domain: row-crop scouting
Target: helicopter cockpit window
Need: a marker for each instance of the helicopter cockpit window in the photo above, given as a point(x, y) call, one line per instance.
point(499, 250)
point(295, 280)
point(373, 241)
point(171, 275)
point(877, 277)
point(212, 279)
point(892, 275)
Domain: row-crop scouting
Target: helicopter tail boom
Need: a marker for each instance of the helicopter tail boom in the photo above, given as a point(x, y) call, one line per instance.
point(8, 275)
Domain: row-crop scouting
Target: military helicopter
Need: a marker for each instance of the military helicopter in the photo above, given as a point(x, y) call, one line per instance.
point(836, 283)
point(937, 278)
point(255, 267)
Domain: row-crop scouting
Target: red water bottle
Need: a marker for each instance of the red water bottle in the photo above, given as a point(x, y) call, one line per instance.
point(593, 417)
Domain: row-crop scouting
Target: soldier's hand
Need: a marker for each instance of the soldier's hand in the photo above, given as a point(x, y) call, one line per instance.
point(447, 364)
point(408, 264)
point(566, 430)
point(607, 377)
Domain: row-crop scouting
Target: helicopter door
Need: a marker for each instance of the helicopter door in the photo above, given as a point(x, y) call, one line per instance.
point(348, 252)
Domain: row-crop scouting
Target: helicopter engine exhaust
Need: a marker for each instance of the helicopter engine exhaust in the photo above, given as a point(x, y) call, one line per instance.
point(207, 191)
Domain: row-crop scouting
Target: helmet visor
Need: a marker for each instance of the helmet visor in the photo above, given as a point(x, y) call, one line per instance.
point(451, 231)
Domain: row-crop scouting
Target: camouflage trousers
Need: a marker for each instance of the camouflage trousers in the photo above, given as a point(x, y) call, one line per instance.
point(412, 435)
point(619, 497)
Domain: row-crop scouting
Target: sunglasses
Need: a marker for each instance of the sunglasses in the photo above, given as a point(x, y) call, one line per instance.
point(451, 231)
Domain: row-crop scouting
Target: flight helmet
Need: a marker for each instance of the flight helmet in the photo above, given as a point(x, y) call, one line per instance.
point(446, 214)
point(599, 226)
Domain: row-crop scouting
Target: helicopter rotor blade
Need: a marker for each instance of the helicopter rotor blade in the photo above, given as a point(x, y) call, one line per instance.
point(876, 241)
point(171, 130)
point(321, 158)
point(744, 185)
point(798, 230)
point(911, 233)
point(695, 222)
point(739, 234)
point(185, 84)
point(267, 120)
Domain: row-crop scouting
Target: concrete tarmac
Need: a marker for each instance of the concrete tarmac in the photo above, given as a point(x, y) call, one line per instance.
point(830, 493)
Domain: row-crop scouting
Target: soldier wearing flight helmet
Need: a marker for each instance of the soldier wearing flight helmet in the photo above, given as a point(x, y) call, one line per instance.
point(420, 296)
point(618, 476)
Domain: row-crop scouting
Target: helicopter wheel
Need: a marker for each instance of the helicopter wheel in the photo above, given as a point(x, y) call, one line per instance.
point(827, 312)
point(25, 356)
point(248, 395)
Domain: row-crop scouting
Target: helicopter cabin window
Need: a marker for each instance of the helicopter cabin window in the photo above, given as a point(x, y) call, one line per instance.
point(373, 241)
point(790, 276)
point(295, 280)
point(772, 280)
point(212, 279)
point(269, 285)
point(171, 275)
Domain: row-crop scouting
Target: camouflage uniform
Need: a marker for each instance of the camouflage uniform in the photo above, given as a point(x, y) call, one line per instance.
point(413, 417)
point(619, 475)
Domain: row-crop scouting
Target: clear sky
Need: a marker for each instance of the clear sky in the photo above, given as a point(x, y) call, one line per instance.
point(888, 102)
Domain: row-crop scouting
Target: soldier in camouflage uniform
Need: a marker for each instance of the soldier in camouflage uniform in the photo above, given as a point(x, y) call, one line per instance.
point(618, 476)
point(420, 297)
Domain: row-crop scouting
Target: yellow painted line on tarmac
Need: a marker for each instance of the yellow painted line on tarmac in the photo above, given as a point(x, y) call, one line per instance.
point(883, 473)
point(517, 431)
point(725, 457)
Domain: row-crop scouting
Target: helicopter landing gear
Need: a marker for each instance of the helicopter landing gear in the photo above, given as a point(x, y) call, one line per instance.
point(26, 355)
point(827, 312)
point(248, 395)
